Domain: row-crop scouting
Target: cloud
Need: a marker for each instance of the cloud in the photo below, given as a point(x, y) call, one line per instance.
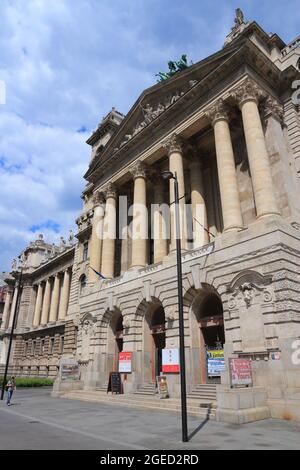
point(65, 64)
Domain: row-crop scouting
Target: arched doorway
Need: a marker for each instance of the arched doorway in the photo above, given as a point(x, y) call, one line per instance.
point(208, 336)
point(114, 341)
point(154, 341)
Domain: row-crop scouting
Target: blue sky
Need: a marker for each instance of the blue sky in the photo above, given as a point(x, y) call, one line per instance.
point(65, 64)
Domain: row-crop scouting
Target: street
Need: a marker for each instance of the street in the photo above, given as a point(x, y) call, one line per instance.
point(36, 421)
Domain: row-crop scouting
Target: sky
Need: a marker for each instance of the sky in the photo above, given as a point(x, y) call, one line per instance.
point(65, 64)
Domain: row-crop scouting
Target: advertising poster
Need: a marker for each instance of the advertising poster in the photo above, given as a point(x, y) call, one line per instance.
point(125, 362)
point(170, 360)
point(240, 372)
point(215, 362)
point(69, 370)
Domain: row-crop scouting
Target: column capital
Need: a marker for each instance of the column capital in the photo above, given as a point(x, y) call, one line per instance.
point(139, 170)
point(111, 191)
point(271, 107)
point(247, 91)
point(98, 198)
point(217, 112)
point(173, 143)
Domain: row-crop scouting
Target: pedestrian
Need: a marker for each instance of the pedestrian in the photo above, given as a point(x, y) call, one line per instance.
point(10, 388)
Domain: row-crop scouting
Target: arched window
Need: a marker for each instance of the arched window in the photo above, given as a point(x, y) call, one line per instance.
point(82, 281)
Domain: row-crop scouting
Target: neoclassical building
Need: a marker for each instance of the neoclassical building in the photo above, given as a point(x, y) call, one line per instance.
point(41, 308)
point(229, 127)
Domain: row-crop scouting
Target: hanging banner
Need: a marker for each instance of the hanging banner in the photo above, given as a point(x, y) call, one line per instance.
point(240, 372)
point(125, 362)
point(170, 360)
point(215, 362)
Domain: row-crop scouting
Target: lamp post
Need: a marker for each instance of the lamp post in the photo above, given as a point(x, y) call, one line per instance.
point(15, 314)
point(167, 176)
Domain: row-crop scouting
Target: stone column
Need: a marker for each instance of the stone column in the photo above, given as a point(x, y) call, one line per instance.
point(13, 307)
point(55, 299)
point(230, 200)
point(95, 246)
point(160, 232)
point(109, 232)
point(199, 212)
point(174, 146)
point(247, 96)
point(6, 310)
point(38, 306)
point(65, 293)
point(46, 303)
point(140, 217)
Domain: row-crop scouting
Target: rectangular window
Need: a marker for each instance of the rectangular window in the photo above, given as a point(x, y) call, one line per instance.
point(85, 251)
point(42, 347)
point(51, 345)
point(33, 347)
point(62, 343)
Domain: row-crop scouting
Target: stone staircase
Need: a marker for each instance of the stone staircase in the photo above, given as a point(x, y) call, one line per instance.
point(205, 393)
point(195, 407)
point(146, 389)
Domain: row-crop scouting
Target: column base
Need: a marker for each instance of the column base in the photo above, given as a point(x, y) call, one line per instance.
point(234, 229)
point(269, 214)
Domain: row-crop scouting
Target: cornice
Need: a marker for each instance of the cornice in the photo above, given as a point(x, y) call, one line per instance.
point(245, 53)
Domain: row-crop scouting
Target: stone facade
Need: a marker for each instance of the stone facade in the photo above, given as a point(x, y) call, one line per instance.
point(229, 127)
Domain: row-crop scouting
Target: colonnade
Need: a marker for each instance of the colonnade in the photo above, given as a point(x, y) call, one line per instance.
point(102, 251)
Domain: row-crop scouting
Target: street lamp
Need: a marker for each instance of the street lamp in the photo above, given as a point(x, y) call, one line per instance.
point(167, 176)
point(15, 314)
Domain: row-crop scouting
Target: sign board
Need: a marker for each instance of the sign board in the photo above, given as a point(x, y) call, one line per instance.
point(215, 362)
point(162, 386)
point(170, 360)
point(125, 362)
point(240, 372)
point(114, 383)
point(69, 370)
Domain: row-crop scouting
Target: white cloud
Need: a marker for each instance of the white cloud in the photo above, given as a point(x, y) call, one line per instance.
point(65, 63)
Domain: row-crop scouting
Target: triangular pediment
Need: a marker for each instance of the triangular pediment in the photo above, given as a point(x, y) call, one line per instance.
point(156, 100)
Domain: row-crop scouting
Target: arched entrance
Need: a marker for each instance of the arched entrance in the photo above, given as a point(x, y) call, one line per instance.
point(207, 336)
point(154, 341)
point(114, 341)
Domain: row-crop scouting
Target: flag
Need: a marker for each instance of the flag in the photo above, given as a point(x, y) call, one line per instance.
point(98, 274)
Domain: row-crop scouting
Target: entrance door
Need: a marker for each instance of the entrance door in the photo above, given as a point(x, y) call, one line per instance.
point(212, 339)
point(159, 343)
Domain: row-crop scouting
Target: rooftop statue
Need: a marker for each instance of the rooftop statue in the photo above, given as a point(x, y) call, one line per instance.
point(174, 67)
point(239, 17)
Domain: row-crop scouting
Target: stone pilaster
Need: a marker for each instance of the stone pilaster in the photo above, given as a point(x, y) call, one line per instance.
point(55, 299)
point(6, 311)
point(140, 217)
point(13, 307)
point(174, 146)
point(46, 303)
point(38, 306)
point(95, 246)
point(109, 232)
point(230, 201)
point(247, 96)
point(65, 293)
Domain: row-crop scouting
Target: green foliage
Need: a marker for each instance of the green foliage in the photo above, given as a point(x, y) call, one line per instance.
point(31, 382)
point(174, 67)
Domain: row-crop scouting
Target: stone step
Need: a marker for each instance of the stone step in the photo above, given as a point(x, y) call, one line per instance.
point(195, 408)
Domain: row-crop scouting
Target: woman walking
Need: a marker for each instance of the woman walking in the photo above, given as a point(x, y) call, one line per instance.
point(10, 388)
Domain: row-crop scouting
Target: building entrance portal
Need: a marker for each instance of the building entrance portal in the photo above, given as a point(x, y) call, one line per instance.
point(115, 342)
point(211, 337)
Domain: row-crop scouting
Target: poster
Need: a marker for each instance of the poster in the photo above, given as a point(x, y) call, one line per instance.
point(125, 362)
point(240, 372)
point(170, 360)
point(69, 370)
point(162, 386)
point(215, 362)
